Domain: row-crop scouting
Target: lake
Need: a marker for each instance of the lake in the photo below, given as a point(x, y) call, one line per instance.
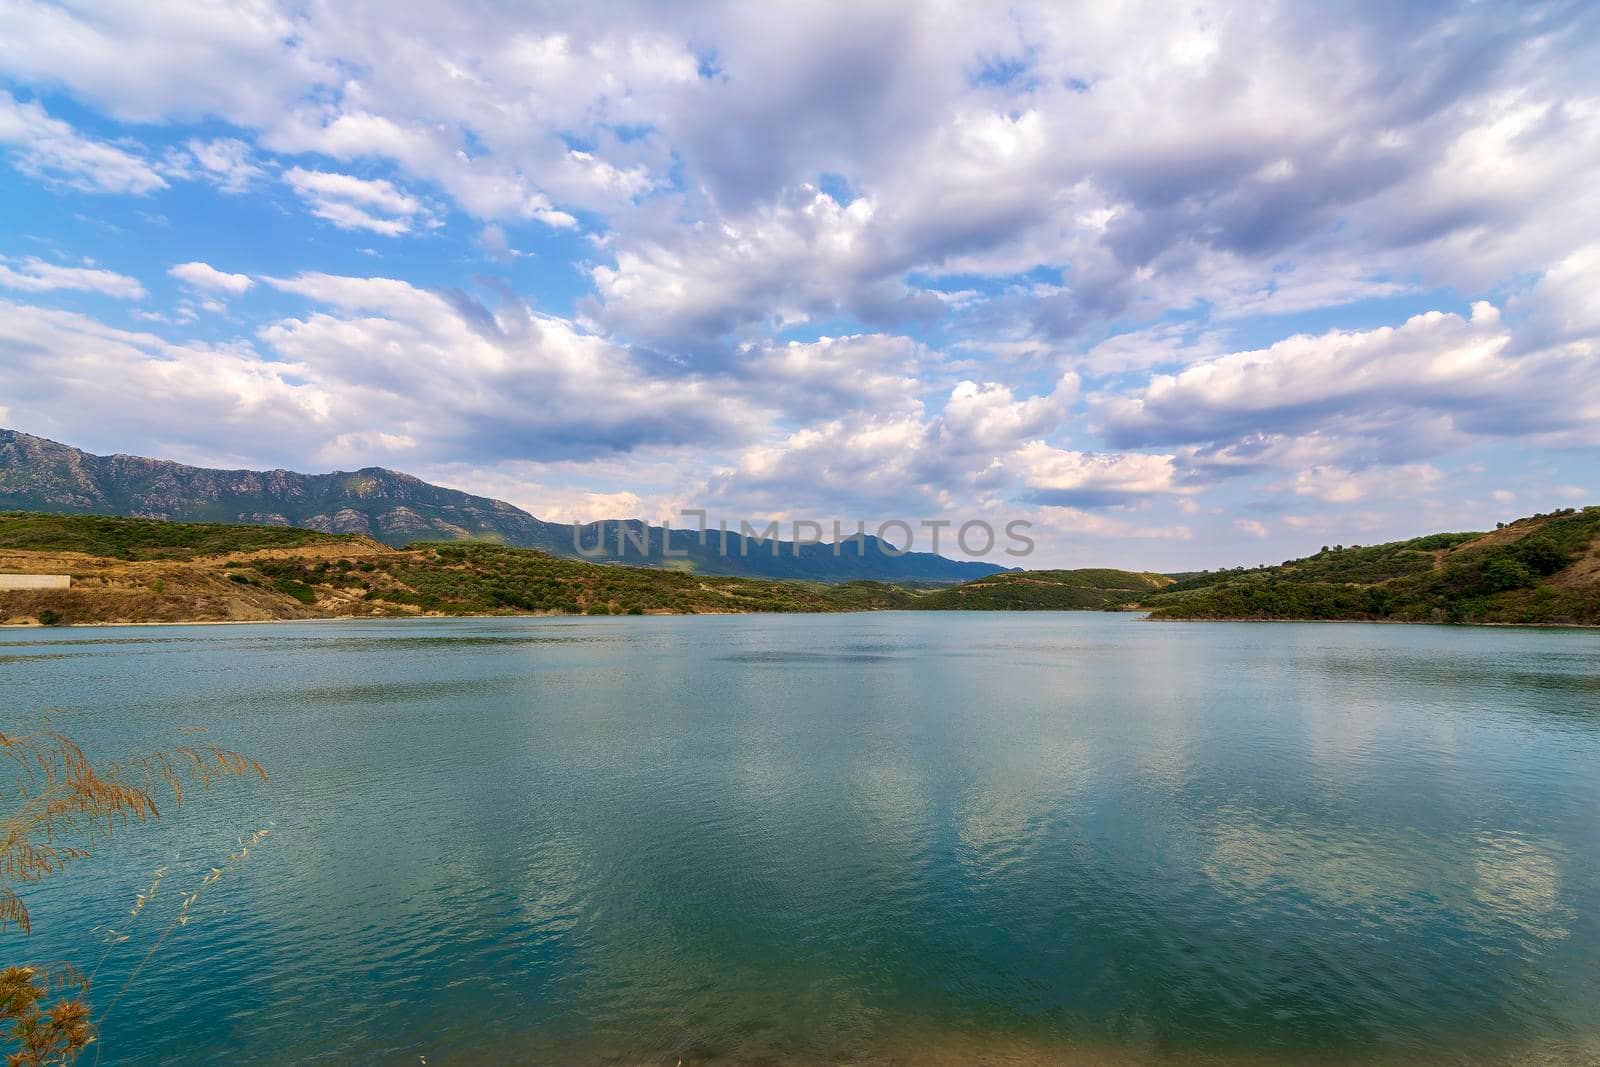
point(910, 838)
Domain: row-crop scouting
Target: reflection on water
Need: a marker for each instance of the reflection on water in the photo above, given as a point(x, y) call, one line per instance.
point(1519, 882)
point(895, 838)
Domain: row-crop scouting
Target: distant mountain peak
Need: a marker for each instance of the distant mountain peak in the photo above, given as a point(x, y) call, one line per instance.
point(38, 474)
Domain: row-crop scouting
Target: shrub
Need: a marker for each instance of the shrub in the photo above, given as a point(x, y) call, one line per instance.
point(300, 591)
point(1506, 573)
point(1540, 554)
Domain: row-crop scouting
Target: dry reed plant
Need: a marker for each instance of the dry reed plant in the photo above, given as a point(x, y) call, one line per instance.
point(49, 1035)
point(61, 807)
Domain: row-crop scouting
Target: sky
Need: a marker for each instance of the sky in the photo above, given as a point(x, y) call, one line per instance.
point(1182, 285)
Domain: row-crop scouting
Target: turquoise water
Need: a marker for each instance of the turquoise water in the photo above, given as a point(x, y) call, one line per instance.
point(908, 838)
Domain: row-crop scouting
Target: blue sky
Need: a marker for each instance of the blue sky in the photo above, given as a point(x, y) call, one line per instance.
point(1181, 285)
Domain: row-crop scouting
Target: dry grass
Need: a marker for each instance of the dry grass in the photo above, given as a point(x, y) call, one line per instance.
point(62, 806)
point(44, 1033)
point(63, 803)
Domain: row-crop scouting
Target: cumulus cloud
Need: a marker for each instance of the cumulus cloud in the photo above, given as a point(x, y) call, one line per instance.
point(155, 62)
point(52, 150)
point(1093, 261)
point(1259, 160)
point(1340, 486)
point(88, 381)
point(988, 418)
point(352, 203)
point(37, 276)
point(805, 257)
point(441, 367)
point(863, 464)
point(1069, 524)
point(226, 161)
point(1436, 365)
point(1081, 479)
point(928, 457)
point(376, 365)
point(1561, 307)
point(205, 276)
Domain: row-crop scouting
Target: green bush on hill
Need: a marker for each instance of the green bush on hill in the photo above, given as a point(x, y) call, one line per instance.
point(145, 539)
point(1081, 590)
point(479, 578)
point(1508, 576)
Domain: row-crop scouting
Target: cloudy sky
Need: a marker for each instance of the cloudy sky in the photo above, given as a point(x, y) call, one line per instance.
point(1183, 285)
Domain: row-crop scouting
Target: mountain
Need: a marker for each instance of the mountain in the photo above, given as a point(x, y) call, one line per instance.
point(396, 509)
point(1541, 570)
point(151, 570)
point(1544, 570)
point(147, 570)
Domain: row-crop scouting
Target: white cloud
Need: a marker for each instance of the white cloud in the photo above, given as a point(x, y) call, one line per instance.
point(100, 383)
point(1335, 485)
point(384, 365)
point(37, 276)
point(149, 62)
point(51, 150)
point(1458, 372)
point(988, 418)
point(1069, 524)
point(496, 245)
point(226, 161)
point(894, 458)
point(833, 375)
point(205, 276)
point(352, 203)
point(1116, 192)
point(1084, 479)
point(443, 368)
point(1154, 346)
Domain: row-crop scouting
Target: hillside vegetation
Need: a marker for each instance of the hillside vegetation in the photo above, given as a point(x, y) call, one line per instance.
point(141, 570)
point(1092, 589)
point(470, 579)
point(145, 570)
point(146, 539)
point(1544, 569)
point(1540, 570)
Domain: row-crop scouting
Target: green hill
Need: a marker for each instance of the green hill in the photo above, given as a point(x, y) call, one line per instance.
point(146, 570)
point(144, 539)
point(1544, 569)
point(133, 570)
point(1091, 589)
point(475, 578)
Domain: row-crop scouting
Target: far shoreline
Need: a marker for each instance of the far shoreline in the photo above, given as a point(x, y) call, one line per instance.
point(1150, 617)
point(1145, 616)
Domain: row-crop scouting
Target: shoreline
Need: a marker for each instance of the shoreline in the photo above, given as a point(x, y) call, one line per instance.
point(1394, 622)
point(1147, 617)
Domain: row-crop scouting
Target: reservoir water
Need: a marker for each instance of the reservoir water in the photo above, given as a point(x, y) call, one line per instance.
point(908, 838)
